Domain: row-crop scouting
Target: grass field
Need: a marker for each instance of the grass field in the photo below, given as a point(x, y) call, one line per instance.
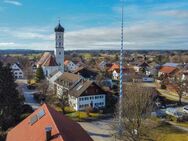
point(167, 132)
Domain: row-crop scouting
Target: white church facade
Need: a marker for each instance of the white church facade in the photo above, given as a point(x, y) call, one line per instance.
point(50, 62)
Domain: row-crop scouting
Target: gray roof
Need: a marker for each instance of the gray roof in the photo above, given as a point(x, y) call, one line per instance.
point(70, 77)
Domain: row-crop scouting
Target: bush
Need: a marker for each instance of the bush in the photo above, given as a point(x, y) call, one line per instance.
point(23, 116)
point(31, 87)
point(69, 110)
point(2, 136)
point(39, 97)
point(27, 109)
point(163, 86)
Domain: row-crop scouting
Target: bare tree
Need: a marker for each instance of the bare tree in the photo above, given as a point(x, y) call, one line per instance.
point(44, 90)
point(182, 87)
point(27, 67)
point(137, 105)
point(64, 101)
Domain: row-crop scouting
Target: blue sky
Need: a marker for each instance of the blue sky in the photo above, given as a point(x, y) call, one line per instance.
point(94, 24)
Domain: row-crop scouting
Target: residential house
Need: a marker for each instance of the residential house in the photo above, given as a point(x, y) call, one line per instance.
point(81, 92)
point(70, 66)
point(17, 71)
point(167, 71)
point(65, 82)
point(87, 94)
point(175, 65)
point(144, 68)
point(115, 70)
point(86, 73)
point(46, 124)
point(102, 65)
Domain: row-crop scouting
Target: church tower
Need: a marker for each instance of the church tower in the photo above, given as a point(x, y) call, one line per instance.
point(59, 47)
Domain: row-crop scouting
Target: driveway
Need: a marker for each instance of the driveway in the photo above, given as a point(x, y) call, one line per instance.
point(99, 130)
point(28, 94)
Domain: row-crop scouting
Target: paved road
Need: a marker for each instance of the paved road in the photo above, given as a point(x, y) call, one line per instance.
point(28, 94)
point(99, 130)
point(179, 127)
point(164, 93)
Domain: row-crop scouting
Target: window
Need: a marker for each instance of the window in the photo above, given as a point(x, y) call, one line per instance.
point(59, 53)
point(59, 37)
point(59, 44)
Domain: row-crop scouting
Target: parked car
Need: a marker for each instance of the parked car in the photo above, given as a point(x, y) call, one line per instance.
point(174, 112)
point(185, 109)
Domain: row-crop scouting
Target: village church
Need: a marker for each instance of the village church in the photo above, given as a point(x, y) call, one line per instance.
point(54, 62)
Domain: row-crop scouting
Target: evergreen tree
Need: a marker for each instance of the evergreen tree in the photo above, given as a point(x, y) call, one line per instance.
point(10, 100)
point(39, 75)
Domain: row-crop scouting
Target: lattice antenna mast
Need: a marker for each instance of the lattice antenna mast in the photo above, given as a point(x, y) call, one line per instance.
point(121, 68)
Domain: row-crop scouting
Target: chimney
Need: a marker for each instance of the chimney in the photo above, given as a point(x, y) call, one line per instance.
point(48, 131)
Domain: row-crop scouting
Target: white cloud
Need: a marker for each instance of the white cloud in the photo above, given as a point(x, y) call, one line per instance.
point(13, 2)
point(144, 35)
point(174, 13)
point(4, 44)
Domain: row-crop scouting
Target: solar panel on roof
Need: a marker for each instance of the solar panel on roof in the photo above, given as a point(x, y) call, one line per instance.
point(33, 119)
point(79, 87)
point(41, 113)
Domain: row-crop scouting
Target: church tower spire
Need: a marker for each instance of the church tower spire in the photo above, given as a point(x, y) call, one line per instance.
point(59, 45)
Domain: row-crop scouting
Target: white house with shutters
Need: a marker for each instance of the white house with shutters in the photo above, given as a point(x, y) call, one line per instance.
point(17, 71)
point(70, 66)
point(81, 93)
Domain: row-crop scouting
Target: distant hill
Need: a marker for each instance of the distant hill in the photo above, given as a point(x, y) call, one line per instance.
point(20, 51)
point(27, 51)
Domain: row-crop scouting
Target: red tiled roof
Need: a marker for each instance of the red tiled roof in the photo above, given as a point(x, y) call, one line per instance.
point(50, 61)
point(66, 62)
point(167, 69)
point(114, 67)
point(63, 129)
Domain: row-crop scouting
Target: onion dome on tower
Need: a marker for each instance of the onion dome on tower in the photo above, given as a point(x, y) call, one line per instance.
point(59, 28)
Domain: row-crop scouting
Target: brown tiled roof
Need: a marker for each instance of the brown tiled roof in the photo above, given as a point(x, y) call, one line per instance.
point(167, 69)
point(43, 58)
point(63, 129)
point(66, 76)
point(80, 88)
point(79, 69)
